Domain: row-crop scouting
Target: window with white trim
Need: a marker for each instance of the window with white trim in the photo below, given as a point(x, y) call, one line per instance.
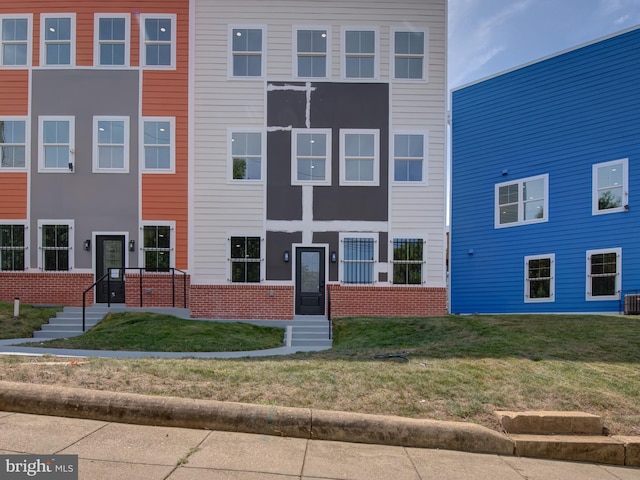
point(111, 144)
point(246, 149)
point(111, 40)
point(312, 52)
point(359, 157)
point(522, 202)
point(13, 143)
point(245, 258)
point(604, 274)
point(247, 51)
point(158, 43)
point(56, 245)
point(409, 55)
point(158, 144)
point(15, 40)
point(156, 246)
point(56, 137)
point(311, 156)
point(57, 39)
point(12, 247)
point(539, 278)
point(358, 258)
point(610, 187)
point(409, 165)
point(360, 53)
point(408, 260)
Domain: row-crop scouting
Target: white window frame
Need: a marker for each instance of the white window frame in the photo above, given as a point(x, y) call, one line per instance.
point(552, 279)
point(376, 157)
point(231, 53)
point(263, 149)
point(70, 248)
point(143, 42)
point(424, 159)
point(374, 262)
point(344, 55)
point(43, 41)
point(98, 42)
point(424, 56)
point(294, 160)
point(421, 236)
point(618, 274)
point(595, 210)
point(172, 239)
point(41, 160)
point(126, 146)
point(521, 203)
point(27, 240)
point(230, 260)
point(29, 18)
point(172, 145)
point(297, 54)
point(27, 144)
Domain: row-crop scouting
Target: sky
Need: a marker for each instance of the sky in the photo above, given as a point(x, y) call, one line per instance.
point(491, 36)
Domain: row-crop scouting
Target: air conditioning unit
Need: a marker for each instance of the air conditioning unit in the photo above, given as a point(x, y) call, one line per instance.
point(632, 304)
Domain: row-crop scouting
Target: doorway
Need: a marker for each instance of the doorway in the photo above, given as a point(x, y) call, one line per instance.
point(110, 251)
point(310, 281)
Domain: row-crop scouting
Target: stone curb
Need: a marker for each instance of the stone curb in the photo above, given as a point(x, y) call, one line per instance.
point(270, 420)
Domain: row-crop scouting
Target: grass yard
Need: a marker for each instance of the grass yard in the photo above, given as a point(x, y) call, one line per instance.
point(30, 319)
point(457, 368)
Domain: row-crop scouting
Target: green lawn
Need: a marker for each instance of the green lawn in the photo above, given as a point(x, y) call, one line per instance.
point(29, 320)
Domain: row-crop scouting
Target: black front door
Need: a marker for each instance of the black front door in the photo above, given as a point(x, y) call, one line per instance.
point(110, 259)
point(310, 281)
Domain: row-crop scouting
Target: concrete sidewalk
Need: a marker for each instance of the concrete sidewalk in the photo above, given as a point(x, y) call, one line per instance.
point(112, 451)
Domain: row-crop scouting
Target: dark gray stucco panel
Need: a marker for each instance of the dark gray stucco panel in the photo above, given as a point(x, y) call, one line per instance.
point(277, 243)
point(97, 202)
point(284, 201)
point(333, 240)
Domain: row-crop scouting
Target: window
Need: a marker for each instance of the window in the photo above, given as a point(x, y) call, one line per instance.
point(112, 40)
point(157, 248)
point(610, 187)
point(58, 40)
point(158, 42)
point(158, 144)
point(13, 143)
point(409, 55)
point(409, 158)
point(311, 157)
point(360, 49)
point(407, 261)
point(246, 155)
point(604, 271)
point(12, 247)
point(539, 278)
point(358, 258)
point(15, 41)
point(56, 143)
point(245, 259)
point(521, 202)
point(311, 48)
point(111, 144)
point(56, 245)
point(246, 52)
point(359, 157)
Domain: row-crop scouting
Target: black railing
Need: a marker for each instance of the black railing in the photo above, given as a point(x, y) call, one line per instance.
point(329, 313)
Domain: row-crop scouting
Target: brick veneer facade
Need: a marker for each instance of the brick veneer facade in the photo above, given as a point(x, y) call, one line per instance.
point(46, 288)
point(157, 290)
point(262, 302)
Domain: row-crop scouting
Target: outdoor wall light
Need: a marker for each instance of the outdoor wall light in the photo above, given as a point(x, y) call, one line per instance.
point(132, 245)
point(334, 257)
point(87, 245)
point(285, 256)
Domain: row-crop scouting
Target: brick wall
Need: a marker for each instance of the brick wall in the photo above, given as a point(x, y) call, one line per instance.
point(262, 302)
point(157, 290)
point(372, 301)
point(46, 288)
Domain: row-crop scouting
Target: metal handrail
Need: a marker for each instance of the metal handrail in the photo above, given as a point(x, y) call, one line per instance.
point(84, 298)
point(329, 313)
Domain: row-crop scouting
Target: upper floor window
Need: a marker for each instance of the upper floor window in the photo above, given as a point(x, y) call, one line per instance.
point(522, 201)
point(312, 52)
point(56, 245)
point(359, 157)
point(158, 144)
point(158, 41)
point(15, 40)
point(246, 52)
point(610, 187)
point(245, 258)
point(359, 53)
point(359, 256)
point(409, 163)
point(604, 273)
point(13, 143)
point(408, 261)
point(56, 137)
point(12, 247)
point(112, 40)
point(111, 144)
point(157, 247)
point(539, 280)
point(409, 55)
point(311, 157)
point(58, 40)
point(246, 155)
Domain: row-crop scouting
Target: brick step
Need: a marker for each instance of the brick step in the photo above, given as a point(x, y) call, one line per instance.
point(550, 423)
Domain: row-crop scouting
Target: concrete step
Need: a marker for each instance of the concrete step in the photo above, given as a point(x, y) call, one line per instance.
point(550, 423)
point(67, 326)
point(574, 448)
point(311, 343)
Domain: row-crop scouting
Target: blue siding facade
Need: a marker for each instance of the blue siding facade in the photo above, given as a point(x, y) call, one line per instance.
point(556, 117)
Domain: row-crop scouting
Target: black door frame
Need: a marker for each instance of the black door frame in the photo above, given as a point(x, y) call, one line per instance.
point(112, 287)
point(312, 303)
